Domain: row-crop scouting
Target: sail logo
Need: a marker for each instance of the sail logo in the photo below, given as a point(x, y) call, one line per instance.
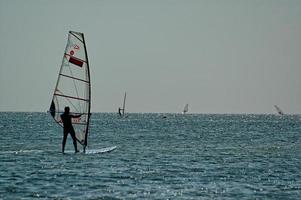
point(76, 47)
point(72, 59)
point(76, 61)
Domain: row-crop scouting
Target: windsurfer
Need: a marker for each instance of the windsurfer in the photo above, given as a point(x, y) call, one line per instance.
point(68, 128)
point(119, 109)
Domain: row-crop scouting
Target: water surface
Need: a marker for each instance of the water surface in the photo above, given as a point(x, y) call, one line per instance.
point(178, 157)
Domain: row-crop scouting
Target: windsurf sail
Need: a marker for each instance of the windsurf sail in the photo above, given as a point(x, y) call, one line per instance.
point(73, 87)
point(185, 109)
point(123, 106)
point(122, 110)
point(279, 111)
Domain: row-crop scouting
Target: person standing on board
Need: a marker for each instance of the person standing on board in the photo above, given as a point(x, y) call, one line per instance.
point(119, 109)
point(68, 128)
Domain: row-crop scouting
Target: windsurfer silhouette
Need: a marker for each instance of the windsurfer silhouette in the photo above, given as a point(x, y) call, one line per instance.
point(119, 109)
point(68, 128)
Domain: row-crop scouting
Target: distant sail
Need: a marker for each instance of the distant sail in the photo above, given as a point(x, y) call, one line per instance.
point(73, 87)
point(123, 107)
point(279, 111)
point(121, 111)
point(185, 109)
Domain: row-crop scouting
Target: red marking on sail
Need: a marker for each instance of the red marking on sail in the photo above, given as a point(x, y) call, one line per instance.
point(76, 61)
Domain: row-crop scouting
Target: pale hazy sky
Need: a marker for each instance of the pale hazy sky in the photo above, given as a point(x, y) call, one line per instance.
point(234, 56)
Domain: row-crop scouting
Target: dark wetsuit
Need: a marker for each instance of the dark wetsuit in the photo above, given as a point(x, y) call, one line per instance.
point(68, 128)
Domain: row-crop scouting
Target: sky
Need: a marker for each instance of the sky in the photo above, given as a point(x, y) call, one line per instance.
point(234, 56)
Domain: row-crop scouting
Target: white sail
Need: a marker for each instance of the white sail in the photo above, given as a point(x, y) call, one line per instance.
point(123, 106)
point(73, 88)
point(185, 109)
point(279, 111)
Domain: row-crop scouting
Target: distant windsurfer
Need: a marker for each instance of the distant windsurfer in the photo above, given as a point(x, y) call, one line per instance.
point(119, 109)
point(68, 128)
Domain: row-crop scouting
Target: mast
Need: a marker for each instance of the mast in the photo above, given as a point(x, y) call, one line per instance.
point(89, 109)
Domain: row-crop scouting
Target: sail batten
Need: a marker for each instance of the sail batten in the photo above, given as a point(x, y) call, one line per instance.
point(73, 87)
point(75, 78)
point(71, 97)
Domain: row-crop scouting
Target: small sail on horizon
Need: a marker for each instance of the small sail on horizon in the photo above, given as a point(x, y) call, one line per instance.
point(279, 111)
point(185, 109)
point(121, 111)
point(73, 88)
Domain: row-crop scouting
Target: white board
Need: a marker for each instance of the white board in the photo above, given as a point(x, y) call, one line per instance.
point(102, 150)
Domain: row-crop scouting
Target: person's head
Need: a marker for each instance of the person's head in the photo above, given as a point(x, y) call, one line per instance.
point(67, 109)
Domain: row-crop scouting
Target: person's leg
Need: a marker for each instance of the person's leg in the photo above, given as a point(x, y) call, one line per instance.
point(72, 133)
point(64, 141)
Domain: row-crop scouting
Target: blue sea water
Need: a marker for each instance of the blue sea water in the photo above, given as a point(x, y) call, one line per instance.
point(177, 157)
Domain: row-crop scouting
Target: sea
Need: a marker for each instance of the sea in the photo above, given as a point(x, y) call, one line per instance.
point(158, 156)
